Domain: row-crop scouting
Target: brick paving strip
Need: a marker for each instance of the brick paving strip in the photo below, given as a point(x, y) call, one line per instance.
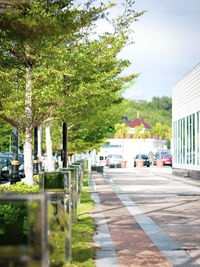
point(131, 242)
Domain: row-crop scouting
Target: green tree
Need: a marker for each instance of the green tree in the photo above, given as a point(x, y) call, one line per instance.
point(121, 130)
point(140, 133)
point(31, 64)
point(6, 131)
point(42, 48)
point(91, 131)
point(156, 102)
point(160, 131)
point(92, 87)
point(170, 133)
point(166, 103)
point(151, 112)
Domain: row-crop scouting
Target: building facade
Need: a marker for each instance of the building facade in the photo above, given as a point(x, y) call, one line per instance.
point(131, 147)
point(128, 147)
point(186, 124)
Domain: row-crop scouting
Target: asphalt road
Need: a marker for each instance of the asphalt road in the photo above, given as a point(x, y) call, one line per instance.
point(171, 202)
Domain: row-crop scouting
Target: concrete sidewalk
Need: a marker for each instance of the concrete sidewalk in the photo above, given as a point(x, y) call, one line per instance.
point(127, 237)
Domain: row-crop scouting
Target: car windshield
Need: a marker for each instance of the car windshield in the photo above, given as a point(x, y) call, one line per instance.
point(3, 160)
point(142, 156)
point(167, 156)
point(161, 153)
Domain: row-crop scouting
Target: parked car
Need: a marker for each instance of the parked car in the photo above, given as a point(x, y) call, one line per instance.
point(167, 159)
point(114, 161)
point(5, 167)
point(21, 161)
point(144, 157)
point(159, 155)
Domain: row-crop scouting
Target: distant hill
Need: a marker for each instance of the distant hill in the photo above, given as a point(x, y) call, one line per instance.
point(158, 110)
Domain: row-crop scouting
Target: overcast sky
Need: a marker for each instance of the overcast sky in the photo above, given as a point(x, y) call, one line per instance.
point(167, 46)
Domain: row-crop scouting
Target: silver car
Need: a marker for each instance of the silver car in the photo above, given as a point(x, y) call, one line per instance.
point(114, 161)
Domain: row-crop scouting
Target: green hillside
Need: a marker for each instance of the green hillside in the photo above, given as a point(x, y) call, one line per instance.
point(158, 110)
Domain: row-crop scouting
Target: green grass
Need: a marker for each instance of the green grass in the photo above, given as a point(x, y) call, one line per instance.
point(85, 178)
point(83, 251)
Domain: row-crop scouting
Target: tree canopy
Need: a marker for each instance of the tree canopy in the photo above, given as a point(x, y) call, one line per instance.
point(50, 68)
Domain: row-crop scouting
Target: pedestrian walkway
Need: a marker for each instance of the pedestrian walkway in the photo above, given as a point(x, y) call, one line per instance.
point(127, 237)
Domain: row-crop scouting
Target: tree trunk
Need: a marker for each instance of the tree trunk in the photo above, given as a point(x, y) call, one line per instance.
point(28, 164)
point(49, 164)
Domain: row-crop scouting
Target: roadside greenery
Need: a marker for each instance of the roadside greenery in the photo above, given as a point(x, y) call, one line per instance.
point(19, 187)
point(83, 251)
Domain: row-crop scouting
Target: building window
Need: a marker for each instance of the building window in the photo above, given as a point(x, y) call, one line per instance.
point(186, 140)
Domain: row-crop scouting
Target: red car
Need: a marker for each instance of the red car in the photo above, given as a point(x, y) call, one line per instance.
point(167, 159)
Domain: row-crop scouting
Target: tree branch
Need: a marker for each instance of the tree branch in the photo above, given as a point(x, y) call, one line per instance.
point(42, 117)
point(10, 120)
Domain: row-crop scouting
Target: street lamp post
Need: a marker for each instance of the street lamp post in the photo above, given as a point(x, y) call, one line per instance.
point(15, 162)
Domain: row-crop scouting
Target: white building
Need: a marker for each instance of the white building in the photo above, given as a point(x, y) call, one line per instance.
point(186, 124)
point(130, 147)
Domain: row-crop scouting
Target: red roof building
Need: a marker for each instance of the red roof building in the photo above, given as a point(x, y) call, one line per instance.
point(138, 122)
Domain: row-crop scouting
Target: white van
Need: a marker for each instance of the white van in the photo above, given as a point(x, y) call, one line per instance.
point(101, 160)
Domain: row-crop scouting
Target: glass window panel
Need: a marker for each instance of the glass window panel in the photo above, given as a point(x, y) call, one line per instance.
point(179, 134)
point(58, 229)
point(21, 229)
point(184, 141)
point(188, 139)
point(175, 142)
point(193, 138)
point(181, 141)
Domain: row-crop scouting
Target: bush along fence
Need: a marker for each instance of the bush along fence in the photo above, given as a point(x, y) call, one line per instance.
point(35, 222)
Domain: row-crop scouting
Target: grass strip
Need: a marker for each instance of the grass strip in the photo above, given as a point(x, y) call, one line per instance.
point(83, 251)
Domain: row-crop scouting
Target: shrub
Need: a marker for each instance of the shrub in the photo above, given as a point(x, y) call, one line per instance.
point(20, 187)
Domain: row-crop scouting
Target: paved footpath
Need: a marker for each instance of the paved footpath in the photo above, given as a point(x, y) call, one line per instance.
point(126, 236)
